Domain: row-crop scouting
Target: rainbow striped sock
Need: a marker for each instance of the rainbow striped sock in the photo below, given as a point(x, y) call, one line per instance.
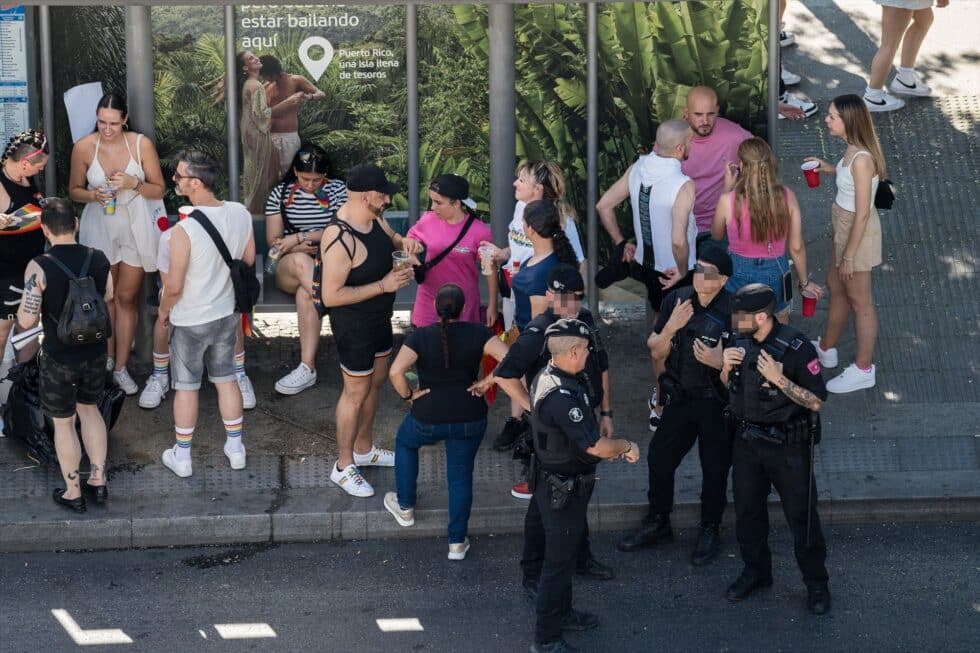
point(240, 363)
point(161, 364)
point(233, 432)
point(184, 437)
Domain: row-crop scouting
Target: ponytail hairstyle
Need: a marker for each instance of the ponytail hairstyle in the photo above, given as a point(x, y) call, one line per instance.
point(859, 130)
point(549, 175)
point(759, 187)
point(543, 217)
point(114, 101)
point(449, 306)
point(30, 144)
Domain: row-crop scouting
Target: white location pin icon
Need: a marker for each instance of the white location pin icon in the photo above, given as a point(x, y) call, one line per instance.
point(315, 67)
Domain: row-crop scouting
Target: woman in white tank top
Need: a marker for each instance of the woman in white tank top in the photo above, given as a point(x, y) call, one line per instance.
point(857, 242)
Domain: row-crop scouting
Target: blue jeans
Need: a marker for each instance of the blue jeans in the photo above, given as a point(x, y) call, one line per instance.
point(462, 442)
point(759, 270)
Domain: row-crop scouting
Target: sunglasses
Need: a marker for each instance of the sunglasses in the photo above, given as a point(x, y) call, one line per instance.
point(308, 157)
point(178, 176)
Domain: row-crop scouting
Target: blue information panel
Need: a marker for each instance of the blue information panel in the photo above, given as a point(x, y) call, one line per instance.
point(14, 106)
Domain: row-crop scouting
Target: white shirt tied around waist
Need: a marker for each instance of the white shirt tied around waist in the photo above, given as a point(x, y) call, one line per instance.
point(845, 184)
point(662, 178)
point(208, 292)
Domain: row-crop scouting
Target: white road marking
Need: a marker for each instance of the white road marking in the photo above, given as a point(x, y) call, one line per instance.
point(93, 637)
point(245, 631)
point(399, 625)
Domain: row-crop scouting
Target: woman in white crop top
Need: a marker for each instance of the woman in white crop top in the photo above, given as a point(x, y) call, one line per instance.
point(857, 242)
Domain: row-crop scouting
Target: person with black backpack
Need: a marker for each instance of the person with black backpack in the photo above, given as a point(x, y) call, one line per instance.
point(211, 280)
point(67, 289)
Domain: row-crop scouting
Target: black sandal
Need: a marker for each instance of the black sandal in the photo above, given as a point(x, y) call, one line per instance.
point(78, 505)
point(100, 493)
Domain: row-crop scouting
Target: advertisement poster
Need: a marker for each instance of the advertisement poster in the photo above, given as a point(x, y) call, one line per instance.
point(14, 107)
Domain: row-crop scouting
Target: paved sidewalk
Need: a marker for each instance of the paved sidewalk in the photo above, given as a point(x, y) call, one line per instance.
point(908, 449)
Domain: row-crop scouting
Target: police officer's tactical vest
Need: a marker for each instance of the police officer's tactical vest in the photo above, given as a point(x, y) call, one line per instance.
point(592, 371)
point(554, 450)
point(753, 398)
point(681, 365)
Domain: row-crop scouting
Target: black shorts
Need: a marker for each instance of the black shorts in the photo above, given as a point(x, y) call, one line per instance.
point(11, 292)
point(360, 339)
point(62, 385)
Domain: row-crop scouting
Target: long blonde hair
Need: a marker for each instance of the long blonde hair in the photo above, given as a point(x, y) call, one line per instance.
point(758, 184)
point(859, 130)
point(549, 175)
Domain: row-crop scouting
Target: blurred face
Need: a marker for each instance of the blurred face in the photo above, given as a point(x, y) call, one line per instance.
point(707, 278)
point(746, 324)
point(834, 123)
point(701, 113)
point(443, 207)
point(378, 202)
point(109, 122)
point(526, 189)
point(566, 304)
point(309, 181)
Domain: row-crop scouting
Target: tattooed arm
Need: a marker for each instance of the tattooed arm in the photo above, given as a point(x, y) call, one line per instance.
point(29, 312)
point(799, 395)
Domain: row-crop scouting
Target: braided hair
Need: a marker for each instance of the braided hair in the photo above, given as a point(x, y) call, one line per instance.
point(543, 216)
point(449, 306)
point(25, 143)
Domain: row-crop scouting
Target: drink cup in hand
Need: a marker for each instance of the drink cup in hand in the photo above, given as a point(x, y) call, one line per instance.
point(809, 303)
point(400, 260)
point(486, 260)
point(272, 259)
point(811, 172)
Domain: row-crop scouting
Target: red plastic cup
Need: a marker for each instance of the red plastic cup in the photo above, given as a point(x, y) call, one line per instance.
point(811, 171)
point(809, 304)
point(184, 211)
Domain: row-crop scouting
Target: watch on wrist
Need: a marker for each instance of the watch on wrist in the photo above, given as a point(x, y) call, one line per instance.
point(605, 413)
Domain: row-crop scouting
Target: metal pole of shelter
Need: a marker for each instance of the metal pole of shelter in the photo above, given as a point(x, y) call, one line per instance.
point(231, 106)
point(503, 121)
point(774, 72)
point(592, 154)
point(412, 112)
point(47, 97)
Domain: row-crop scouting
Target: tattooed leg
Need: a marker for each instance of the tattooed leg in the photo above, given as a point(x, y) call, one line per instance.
point(69, 454)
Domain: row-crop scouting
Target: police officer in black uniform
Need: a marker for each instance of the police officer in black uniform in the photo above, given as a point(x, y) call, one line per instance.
point(693, 323)
point(776, 391)
point(528, 356)
point(567, 447)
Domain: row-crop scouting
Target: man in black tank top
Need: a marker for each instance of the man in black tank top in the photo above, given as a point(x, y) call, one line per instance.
point(358, 285)
point(72, 377)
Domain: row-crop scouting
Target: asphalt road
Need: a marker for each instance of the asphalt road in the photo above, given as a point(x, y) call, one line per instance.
point(895, 588)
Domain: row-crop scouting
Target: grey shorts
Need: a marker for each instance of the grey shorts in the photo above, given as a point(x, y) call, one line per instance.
point(193, 347)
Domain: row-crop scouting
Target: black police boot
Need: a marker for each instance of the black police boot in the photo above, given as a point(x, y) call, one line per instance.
point(595, 570)
point(530, 586)
point(513, 428)
point(818, 599)
point(577, 621)
point(706, 548)
point(557, 646)
point(652, 530)
point(745, 584)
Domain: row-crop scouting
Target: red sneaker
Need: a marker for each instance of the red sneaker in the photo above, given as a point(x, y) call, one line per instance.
point(521, 491)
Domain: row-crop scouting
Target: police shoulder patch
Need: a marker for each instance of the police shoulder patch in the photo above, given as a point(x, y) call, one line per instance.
point(796, 343)
point(565, 392)
point(534, 329)
point(576, 415)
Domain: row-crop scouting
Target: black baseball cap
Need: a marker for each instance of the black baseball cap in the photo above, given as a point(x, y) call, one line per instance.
point(753, 298)
point(365, 177)
point(567, 327)
point(715, 254)
point(454, 187)
point(565, 278)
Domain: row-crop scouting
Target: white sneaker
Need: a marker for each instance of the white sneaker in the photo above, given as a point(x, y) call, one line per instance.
point(852, 379)
point(884, 103)
point(236, 456)
point(786, 38)
point(181, 468)
point(296, 381)
point(377, 457)
point(458, 551)
point(654, 417)
point(155, 390)
point(404, 516)
point(790, 79)
point(125, 382)
point(2, 434)
point(350, 481)
point(110, 364)
point(828, 357)
point(248, 392)
point(915, 88)
point(808, 108)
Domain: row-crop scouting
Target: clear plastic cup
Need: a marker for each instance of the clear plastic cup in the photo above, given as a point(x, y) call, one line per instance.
point(399, 260)
point(486, 260)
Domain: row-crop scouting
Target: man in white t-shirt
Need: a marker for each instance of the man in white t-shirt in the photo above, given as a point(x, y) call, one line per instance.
point(199, 304)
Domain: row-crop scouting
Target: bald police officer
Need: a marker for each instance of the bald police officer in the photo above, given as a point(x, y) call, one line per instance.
point(776, 391)
point(568, 446)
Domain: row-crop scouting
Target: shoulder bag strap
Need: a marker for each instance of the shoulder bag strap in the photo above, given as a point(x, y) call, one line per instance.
point(428, 265)
point(64, 268)
point(215, 236)
point(88, 261)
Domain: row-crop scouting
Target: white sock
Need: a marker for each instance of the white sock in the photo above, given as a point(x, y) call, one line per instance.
point(907, 75)
point(873, 93)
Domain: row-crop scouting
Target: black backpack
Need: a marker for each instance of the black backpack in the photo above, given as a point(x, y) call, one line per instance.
point(243, 277)
point(84, 318)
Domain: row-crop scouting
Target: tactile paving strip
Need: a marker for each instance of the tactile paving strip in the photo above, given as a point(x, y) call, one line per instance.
point(937, 454)
point(260, 473)
point(854, 455)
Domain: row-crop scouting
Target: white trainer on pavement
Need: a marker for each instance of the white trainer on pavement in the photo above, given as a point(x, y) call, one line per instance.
point(917, 87)
point(236, 456)
point(808, 108)
point(828, 357)
point(296, 381)
point(377, 457)
point(790, 79)
point(851, 379)
point(786, 38)
point(459, 550)
point(882, 102)
point(404, 516)
point(248, 392)
point(350, 481)
point(155, 390)
point(125, 382)
point(2, 434)
point(181, 468)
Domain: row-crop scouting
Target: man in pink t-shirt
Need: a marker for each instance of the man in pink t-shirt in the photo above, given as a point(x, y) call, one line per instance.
point(715, 144)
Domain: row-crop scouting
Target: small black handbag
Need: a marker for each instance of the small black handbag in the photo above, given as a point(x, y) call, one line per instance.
point(885, 195)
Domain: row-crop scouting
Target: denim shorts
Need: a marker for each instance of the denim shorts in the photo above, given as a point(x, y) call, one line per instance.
point(760, 270)
point(211, 343)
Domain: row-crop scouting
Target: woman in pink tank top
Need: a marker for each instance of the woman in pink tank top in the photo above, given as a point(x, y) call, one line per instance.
point(760, 217)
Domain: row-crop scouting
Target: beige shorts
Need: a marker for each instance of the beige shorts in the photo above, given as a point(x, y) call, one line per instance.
point(914, 5)
point(286, 145)
point(868, 254)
